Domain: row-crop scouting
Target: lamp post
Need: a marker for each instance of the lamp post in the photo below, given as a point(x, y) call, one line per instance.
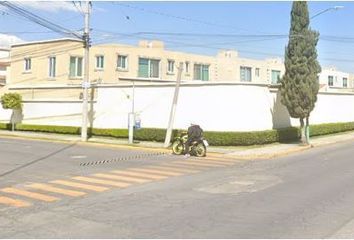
point(335, 8)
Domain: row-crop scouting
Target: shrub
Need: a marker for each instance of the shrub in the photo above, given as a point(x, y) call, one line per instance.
point(214, 138)
point(11, 101)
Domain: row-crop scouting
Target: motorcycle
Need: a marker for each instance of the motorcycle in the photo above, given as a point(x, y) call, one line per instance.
point(197, 148)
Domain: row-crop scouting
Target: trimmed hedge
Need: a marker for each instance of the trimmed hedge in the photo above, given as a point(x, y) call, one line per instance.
point(214, 138)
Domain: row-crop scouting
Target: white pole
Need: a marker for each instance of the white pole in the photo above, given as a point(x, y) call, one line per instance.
point(174, 106)
point(131, 118)
point(86, 80)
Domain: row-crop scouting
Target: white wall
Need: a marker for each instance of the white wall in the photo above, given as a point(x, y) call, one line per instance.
point(216, 107)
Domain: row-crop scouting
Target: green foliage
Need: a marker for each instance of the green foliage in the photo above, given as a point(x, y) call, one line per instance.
point(11, 101)
point(48, 128)
point(299, 85)
point(214, 138)
point(330, 128)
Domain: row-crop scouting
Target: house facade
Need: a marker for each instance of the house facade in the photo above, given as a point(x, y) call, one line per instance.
point(61, 62)
point(333, 80)
point(4, 65)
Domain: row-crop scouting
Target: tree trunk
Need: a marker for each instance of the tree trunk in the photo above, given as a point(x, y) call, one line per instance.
point(307, 130)
point(303, 131)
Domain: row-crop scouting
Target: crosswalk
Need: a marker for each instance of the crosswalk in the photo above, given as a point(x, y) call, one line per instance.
point(27, 195)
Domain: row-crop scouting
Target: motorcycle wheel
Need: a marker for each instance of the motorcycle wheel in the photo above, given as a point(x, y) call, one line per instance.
point(177, 147)
point(200, 150)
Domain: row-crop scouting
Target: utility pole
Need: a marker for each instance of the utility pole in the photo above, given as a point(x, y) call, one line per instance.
point(86, 81)
point(174, 106)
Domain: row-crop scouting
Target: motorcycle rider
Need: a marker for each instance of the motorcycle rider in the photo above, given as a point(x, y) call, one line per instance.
point(195, 132)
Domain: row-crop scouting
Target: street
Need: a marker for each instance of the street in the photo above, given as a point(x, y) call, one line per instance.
point(70, 190)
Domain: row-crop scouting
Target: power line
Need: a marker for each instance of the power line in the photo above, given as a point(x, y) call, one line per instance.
point(188, 19)
point(39, 20)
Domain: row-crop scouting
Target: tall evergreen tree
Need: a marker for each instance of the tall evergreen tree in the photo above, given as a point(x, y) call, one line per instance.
point(299, 85)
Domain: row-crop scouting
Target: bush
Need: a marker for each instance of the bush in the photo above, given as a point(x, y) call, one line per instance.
point(48, 128)
point(11, 101)
point(329, 128)
point(214, 138)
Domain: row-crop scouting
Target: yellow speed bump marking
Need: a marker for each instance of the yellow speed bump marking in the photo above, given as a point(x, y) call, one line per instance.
point(213, 162)
point(174, 164)
point(28, 194)
point(178, 169)
point(198, 163)
point(81, 185)
point(138, 174)
point(221, 159)
point(123, 178)
point(159, 172)
point(14, 202)
point(101, 181)
point(49, 188)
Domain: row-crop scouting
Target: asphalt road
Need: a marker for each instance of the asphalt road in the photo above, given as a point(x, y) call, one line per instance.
point(53, 190)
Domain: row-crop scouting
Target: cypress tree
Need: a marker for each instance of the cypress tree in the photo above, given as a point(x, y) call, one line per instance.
point(300, 85)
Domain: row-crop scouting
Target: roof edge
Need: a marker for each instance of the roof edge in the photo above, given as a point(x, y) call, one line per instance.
point(45, 41)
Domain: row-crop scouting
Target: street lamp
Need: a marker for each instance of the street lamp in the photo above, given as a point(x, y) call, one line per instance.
point(335, 8)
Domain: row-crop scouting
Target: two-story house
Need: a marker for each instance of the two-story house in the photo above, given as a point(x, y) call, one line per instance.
point(4, 65)
point(59, 62)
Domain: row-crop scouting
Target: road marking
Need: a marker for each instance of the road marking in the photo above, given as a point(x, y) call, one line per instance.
point(212, 162)
point(131, 179)
point(164, 173)
point(198, 164)
point(174, 164)
point(14, 202)
point(49, 188)
point(222, 158)
point(81, 185)
point(216, 159)
point(101, 181)
point(28, 194)
point(138, 174)
point(178, 169)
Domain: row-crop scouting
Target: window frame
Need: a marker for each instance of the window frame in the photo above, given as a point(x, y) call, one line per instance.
point(202, 68)
point(170, 63)
point(125, 62)
point(99, 62)
point(278, 80)
point(149, 73)
point(27, 64)
point(257, 72)
point(346, 82)
point(329, 82)
point(250, 74)
point(76, 67)
point(52, 66)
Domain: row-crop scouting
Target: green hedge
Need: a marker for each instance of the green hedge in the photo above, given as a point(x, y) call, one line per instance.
point(214, 138)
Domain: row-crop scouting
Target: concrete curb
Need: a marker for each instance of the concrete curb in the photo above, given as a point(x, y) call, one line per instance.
point(104, 144)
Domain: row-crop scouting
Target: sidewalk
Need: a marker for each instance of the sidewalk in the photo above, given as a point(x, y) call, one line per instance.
point(239, 152)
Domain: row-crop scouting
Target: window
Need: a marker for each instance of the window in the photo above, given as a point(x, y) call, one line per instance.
point(275, 77)
point(201, 72)
point(330, 80)
point(246, 74)
point(187, 67)
point(99, 62)
point(28, 64)
point(148, 68)
point(75, 67)
point(52, 67)
point(170, 66)
point(257, 72)
point(345, 82)
point(122, 62)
